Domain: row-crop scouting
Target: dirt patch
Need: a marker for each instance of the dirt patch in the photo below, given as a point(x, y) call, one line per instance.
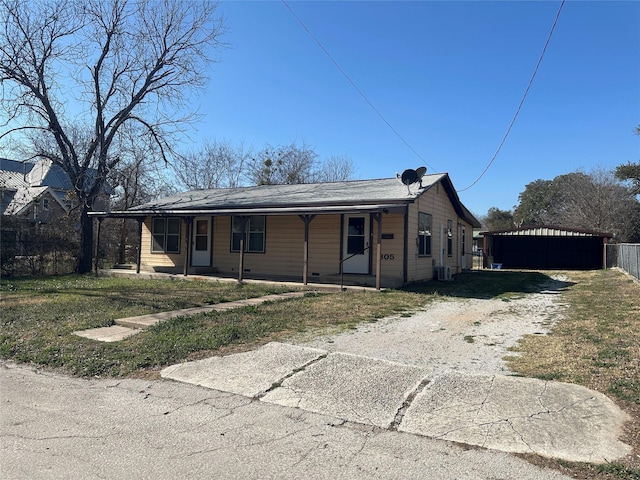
point(18, 300)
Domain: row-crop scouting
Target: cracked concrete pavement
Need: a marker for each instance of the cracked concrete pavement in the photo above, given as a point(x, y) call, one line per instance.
point(511, 414)
point(57, 427)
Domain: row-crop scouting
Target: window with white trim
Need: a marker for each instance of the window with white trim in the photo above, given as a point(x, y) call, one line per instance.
point(424, 234)
point(165, 235)
point(254, 233)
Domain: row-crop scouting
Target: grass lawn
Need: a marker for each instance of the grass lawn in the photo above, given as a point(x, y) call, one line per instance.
point(596, 344)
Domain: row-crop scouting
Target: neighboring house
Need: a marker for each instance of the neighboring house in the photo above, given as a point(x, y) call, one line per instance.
point(37, 192)
point(367, 232)
point(545, 247)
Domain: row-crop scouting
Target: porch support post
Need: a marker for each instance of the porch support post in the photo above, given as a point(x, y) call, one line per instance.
point(378, 218)
point(187, 244)
point(243, 228)
point(97, 251)
point(139, 256)
point(307, 220)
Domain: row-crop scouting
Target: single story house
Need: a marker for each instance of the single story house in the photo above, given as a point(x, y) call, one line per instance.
point(545, 247)
point(367, 232)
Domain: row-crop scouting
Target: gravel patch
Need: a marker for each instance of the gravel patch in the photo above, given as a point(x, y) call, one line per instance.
point(469, 335)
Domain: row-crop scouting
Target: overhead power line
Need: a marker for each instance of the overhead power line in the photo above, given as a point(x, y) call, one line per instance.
point(526, 92)
point(353, 84)
point(373, 107)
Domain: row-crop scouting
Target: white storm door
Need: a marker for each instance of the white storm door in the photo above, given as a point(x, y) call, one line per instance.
point(201, 251)
point(355, 242)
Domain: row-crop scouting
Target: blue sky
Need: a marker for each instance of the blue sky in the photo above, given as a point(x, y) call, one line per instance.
point(447, 76)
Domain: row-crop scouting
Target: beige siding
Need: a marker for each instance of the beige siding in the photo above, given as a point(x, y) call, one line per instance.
point(468, 249)
point(392, 251)
point(284, 250)
point(223, 259)
point(324, 245)
point(149, 260)
point(436, 203)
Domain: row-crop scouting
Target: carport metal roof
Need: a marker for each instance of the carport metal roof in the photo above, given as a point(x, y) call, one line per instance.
point(547, 231)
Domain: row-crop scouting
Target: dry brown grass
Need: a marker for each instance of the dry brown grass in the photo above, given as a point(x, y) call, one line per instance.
point(596, 344)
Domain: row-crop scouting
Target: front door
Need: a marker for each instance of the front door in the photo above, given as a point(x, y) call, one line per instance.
point(355, 244)
point(201, 252)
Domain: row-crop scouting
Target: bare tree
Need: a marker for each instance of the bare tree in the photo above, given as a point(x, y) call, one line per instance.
point(83, 70)
point(291, 164)
point(215, 165)
point(136, 180)
point(597, 201)
point(285, 164)
point(336, 168)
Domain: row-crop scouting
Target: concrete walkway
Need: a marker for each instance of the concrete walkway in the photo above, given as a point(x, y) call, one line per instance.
point(510, 414)
point(125, 327)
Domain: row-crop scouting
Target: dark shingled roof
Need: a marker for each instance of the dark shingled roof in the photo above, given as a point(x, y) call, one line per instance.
point(361, 192)
point(306, 198)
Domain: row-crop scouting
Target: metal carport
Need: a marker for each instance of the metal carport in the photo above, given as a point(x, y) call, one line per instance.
point(545, 247)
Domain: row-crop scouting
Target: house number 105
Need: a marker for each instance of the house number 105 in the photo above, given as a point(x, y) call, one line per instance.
point(387, 256)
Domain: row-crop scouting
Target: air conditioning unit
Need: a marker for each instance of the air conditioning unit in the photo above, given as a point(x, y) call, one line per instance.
point(444, 274)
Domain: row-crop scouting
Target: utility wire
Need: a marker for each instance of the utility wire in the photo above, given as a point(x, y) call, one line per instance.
point(526, 92)
point(354, 85)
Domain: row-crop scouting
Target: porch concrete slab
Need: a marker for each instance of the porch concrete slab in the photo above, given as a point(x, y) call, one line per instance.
point(114, 333)
point(351, 387)
point(250, 373)
point(521, 415)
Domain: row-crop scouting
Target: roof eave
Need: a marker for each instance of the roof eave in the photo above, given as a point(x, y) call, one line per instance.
point(316, 210)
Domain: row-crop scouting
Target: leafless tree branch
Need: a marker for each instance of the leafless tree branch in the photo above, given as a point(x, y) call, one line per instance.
point(104, 63)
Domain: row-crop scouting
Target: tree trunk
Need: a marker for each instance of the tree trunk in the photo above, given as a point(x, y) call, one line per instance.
point(86, 242)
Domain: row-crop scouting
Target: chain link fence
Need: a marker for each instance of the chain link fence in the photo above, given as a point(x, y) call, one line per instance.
point(625, 256)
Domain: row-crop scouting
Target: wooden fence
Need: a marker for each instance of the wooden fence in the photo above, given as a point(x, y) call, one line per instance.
point(625, 256)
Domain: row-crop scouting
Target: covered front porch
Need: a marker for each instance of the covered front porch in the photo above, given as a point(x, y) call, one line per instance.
point(193, 237)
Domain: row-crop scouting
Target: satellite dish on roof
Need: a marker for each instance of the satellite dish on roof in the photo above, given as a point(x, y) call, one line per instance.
point(409, 177)
point(420, 171)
